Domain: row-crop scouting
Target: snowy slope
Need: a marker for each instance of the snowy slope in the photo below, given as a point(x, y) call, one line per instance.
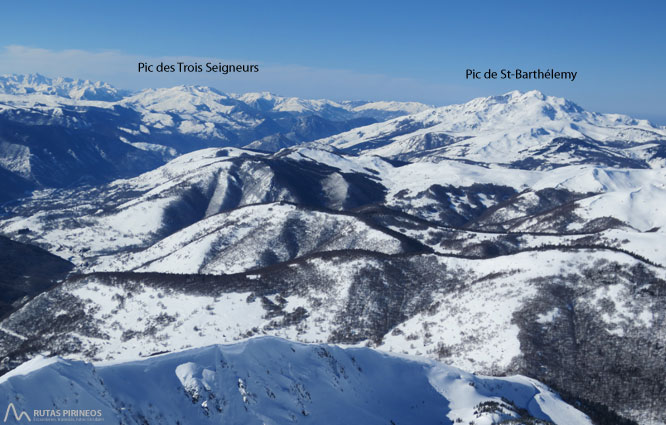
point(526, 130)
point(316, 300)
point(138, 212)
point(192, 110)
point(251, 237)
point(273, 381)
point(618, 207)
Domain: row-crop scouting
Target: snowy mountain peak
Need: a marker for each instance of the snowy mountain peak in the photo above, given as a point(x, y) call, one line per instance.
point(255, 96)
point(62, 87)
point(527, 129)
point(266, 101)
point(520, 94)
point(528, 106)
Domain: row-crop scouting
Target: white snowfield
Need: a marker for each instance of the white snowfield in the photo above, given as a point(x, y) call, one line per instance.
point(268, 381)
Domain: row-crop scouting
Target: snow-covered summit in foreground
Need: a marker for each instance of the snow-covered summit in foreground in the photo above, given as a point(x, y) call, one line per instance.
point(524, 130)
point(273, 381)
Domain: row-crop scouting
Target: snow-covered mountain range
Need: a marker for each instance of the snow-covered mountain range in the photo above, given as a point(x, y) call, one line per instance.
point(61, 132)
point(521, 130)
point(336, 111)
point(515, 234)
point(59, 87)
point(358, 250)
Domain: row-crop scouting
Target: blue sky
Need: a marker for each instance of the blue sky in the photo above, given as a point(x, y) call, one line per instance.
point(343, 49)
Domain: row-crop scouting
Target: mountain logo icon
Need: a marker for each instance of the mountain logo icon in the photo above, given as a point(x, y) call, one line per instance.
point(18, 417)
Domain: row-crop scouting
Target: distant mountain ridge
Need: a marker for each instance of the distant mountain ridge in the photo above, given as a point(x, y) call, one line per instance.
point(381, 111)
point(62, 87)
point(521, 130)
point(86, 90)
point(58, 132)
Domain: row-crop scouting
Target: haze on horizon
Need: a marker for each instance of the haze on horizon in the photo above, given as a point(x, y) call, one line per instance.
point(347, 50)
